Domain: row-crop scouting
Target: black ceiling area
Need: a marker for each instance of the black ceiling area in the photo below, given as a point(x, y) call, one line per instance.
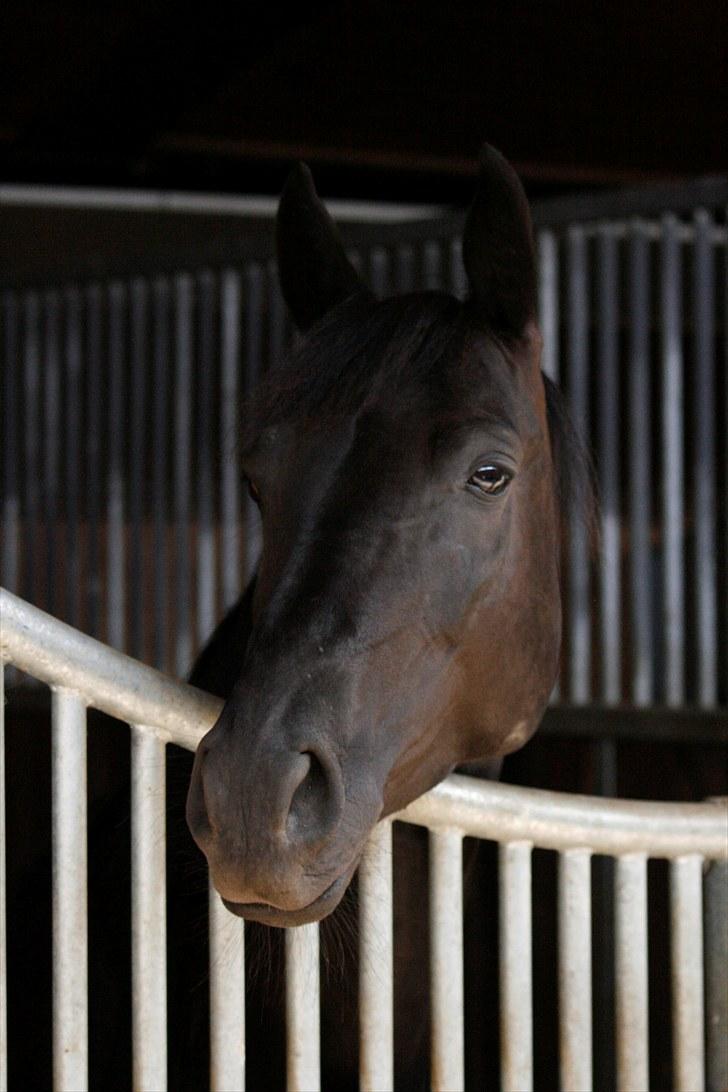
point(389, 99)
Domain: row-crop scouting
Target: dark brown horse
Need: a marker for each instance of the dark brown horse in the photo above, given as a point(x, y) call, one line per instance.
point(405, 616)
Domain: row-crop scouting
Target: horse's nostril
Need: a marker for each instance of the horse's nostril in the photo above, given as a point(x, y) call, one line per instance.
point(313, 807)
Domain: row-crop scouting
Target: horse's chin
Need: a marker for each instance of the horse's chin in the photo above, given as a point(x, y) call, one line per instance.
point(321, 907)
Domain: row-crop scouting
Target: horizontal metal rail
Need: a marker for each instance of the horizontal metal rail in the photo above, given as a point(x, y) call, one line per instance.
point(62, 657)
point(57, 654)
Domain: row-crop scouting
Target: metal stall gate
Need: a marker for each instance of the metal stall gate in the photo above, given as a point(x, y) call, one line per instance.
point(122, 391)
point(82, 672)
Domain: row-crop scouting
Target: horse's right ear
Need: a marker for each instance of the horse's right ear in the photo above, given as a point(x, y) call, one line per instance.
point(313, 268)
point(498, 251)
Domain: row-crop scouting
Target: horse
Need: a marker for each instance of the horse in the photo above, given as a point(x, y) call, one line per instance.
point(410, 461)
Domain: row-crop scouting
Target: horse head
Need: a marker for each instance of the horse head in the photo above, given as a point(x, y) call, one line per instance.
point(405, 615)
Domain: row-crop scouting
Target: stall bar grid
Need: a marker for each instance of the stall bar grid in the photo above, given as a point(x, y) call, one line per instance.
point(632, 311)
point(82, 672)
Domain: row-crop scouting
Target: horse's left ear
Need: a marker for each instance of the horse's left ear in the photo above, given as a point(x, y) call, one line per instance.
point(313, 268)
point(498, 251)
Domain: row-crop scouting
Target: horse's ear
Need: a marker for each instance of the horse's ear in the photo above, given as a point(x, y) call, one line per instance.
point(313, 268)
point(498, 251)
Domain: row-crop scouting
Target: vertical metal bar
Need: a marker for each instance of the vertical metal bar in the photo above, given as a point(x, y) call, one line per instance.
point(405, 268)
point(575, 971)
point(640, 476)
point(632, 1026)
point(206, 582)
point(182, 588)
point(3, 901)
point(139, 325)
point(578, 394)
point(227, 998)
point(230, 349)
point(139, 329)
point(253, 364)
point(52, 394)
point(72, 427)
point(432, 265)
point(458, 279)
point(116, 582)
point(446, 960)
point(148, 911)
point(609, 476)
point(548, 301)
point(704, 462)
point(686, 919)
point(379, 271)
point(33, 430)
point(96, 379)
point(70, 927)
point(160, 466)
point(716, 973)
point(11, 475)
point(302, 1009)
point(516, 966)
point(673, 486)
point(376, 990)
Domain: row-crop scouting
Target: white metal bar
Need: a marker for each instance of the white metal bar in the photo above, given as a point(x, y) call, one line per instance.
point(11, 478)
point(578, 395)
point(379, 271)
point(688, 1025)
point(376, 991)
point(70, 925)
point(673, 475)
point(183, 379)
point(642, 605)
point(115, 554)
point(51, 436)
point(204, 461)
point(432, 265)
point(227, 998)
point(575, 970)
point(94, 430)
point(704, 465)
point(631, 1002)
point(302, 1009)
point(3, 901)
point(716, 971)
point(609, 476)
point(458, 278)
point(138, 415)
point(230, 347)
point(160, 464)
point(203, 204)
point(254, 299)
point(516, 966)
point(32, 431)
point(446, 960)
point(148, 911)
point(548, 301)
point(73, 403)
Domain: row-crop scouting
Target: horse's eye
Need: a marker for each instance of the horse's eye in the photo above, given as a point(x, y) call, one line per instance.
point(254, 491)
point(491, 480)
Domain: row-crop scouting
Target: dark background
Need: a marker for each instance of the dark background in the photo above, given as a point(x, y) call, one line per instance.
point(389, 99)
